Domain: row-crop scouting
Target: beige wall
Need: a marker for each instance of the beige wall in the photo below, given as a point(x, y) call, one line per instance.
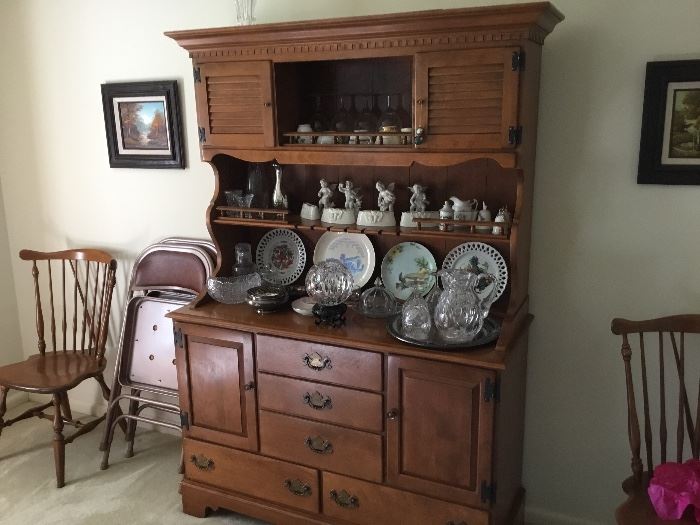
point(603, 246)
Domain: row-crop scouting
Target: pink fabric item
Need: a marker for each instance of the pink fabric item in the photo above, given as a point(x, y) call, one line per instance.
point(674, 487)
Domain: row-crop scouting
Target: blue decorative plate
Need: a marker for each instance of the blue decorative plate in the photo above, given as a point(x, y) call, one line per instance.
point(354, 250)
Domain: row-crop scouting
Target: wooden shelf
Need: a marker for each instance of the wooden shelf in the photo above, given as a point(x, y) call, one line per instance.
point(349, 138)
point(296, 223)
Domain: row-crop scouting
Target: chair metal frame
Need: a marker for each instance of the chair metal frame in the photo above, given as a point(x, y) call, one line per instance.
point(179, 295)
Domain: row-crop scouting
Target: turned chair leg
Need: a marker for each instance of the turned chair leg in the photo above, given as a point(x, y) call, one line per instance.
point(117, 411)
point(131, 425)
point(3, 405)
point(59, 444)
point(65, 406)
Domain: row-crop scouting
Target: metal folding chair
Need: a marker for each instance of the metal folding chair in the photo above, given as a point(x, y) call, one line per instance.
point(165, 276)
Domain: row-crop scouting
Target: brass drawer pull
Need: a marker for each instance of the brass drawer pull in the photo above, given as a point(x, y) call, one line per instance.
point(344, 499)
point(318, 401)
point(316, 362)
point(202, 462)
point(297, 487)
point(319, 445)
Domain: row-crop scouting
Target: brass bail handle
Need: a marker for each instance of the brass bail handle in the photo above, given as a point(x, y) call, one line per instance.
point(317, 362)
point(344, 499)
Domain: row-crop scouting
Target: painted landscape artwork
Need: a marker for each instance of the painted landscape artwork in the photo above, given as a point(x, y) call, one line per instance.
point(143, 125)
point(685, 124)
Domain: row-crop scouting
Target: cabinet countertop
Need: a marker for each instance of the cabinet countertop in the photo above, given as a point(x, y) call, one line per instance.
point(358, 332)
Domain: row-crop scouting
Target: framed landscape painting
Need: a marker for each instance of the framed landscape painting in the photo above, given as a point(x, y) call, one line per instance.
point(669, 150)
point(142, 123)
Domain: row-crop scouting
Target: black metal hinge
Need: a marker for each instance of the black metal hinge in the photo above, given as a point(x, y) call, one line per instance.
point(177, 336)
point(492, 392)
point(202, 135)
point(196, 73)
point(518, 61)
point(488, 492)
point(515, 135)
point(185, 420)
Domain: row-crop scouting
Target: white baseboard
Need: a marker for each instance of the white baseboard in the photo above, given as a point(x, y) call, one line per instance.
point(538, 516)
point(16, 398)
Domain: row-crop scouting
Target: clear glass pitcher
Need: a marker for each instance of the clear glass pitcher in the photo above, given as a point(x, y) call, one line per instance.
point(460, 311)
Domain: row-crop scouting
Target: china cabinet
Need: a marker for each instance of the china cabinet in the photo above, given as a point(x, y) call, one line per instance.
point(292, 422)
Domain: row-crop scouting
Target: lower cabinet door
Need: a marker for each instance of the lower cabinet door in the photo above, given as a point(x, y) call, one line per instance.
point(362, 502)
point(252, 475)
point(439, 429)
point(216, 385)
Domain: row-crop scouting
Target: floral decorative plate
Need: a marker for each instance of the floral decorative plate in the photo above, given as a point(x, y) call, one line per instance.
point(283, 251)
point(479, 257)
point(407, 259)
point(354, 250)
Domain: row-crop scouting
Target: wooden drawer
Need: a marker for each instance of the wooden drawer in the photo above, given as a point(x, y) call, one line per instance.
point(318, 362)
point(361, 502)
point(253, 475)
point(323, 446)
point(329, 404)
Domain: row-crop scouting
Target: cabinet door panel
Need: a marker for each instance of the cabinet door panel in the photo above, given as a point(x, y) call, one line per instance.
point(215, 373)
point(234, 104)
point(440, 442)
point(467, 99)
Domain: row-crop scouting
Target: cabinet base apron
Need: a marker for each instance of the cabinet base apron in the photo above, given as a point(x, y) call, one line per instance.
point(198, 499)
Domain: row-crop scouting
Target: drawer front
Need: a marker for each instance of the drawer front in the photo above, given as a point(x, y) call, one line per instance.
point(325, 403)
point(361, 502)
point(253, 475)
point(318, 362)
point(323, 446)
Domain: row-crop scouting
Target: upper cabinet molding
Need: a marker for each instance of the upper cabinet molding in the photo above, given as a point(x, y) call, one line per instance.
point(388, 35)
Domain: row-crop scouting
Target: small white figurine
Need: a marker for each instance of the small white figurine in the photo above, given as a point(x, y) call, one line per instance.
point(386, 196)
point(503, 215)
point(326, 195)
point(484, 216)
point(418, 199)
point(353, 201)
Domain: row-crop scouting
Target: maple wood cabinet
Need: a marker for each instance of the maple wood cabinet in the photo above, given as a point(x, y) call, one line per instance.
point(299, 424)
point(216, 380)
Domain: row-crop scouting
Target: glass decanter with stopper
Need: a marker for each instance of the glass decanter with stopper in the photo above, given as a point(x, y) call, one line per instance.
point(460, 311)
point(415, 314)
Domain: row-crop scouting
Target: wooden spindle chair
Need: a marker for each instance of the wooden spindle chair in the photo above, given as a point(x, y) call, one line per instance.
point(73, 293)
point(659, 346)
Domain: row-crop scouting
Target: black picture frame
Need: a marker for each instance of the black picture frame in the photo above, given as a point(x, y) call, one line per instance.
point(658, 118)
point(130, 142)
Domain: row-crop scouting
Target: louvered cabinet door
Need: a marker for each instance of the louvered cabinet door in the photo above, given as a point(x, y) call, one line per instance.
point(467, 99)
point(234, 104)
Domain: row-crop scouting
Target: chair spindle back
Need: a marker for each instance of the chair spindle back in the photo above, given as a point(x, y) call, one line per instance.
point(77, 289)
point(671, 333)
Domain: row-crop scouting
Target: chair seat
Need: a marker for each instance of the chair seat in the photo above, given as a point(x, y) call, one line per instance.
point(51, 373)
point(638, 510)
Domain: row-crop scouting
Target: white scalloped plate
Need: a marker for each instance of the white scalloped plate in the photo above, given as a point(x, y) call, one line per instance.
point(354, 250)
point(283, 250)
point(482, 258)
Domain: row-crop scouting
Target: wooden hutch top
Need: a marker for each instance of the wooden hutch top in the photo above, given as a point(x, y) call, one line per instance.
point(372, 36)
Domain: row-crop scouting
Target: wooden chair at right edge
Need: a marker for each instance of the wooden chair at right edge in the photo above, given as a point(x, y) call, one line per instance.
point(659, 348)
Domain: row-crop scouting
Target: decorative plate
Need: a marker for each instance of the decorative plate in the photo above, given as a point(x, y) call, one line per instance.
point(488, 334)
point(283, 251)
point(479, 257)
point(303, 305)
point(406, 259)
point(354, 250)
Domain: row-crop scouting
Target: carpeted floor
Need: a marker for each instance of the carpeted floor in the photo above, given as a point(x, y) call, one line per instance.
point(142, 489)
